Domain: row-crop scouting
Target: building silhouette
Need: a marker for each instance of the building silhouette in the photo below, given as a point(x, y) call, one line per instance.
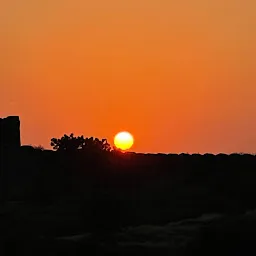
point(10, 133)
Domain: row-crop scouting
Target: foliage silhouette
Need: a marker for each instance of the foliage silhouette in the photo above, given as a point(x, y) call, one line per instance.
point(95, 144)
point(67, 143)
point(72, 143)
point(39, 148)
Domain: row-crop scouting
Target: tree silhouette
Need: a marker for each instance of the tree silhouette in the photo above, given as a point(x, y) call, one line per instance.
point(67, 143)
point(72, 143)
point(95, 144)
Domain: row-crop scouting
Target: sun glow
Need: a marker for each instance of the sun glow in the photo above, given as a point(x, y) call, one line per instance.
point(123, 140)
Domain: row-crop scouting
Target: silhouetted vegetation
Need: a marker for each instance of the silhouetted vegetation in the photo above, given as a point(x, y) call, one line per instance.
point(72, 143)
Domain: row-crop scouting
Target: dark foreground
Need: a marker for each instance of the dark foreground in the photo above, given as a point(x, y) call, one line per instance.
point(129, 204)
point(34, 231)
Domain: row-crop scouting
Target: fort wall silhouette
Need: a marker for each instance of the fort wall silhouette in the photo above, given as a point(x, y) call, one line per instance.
point(10, 133)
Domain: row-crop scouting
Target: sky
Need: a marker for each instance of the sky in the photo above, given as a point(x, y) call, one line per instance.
point(179, 75)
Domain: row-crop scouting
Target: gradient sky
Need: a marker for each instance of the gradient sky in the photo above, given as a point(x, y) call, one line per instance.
point(179, 75)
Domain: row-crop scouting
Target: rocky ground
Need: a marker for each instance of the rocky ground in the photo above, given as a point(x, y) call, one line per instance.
point(33, 230)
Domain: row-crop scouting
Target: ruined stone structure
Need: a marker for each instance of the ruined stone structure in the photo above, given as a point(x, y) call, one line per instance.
point(10, 133)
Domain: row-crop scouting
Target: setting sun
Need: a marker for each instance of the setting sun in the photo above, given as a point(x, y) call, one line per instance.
point(123, 140)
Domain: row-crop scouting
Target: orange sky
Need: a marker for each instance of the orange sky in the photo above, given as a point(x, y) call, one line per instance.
point(179, 75)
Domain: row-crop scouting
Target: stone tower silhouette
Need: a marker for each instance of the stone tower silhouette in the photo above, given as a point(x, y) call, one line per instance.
point(9, 144)
point(10, 133)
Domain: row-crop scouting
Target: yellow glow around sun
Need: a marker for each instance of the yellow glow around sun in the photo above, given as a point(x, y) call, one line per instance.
point(123, 140)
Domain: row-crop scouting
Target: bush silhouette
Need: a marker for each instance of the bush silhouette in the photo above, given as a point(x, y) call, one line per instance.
point(95, 144)
point(39, 148)
point(72, 143)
